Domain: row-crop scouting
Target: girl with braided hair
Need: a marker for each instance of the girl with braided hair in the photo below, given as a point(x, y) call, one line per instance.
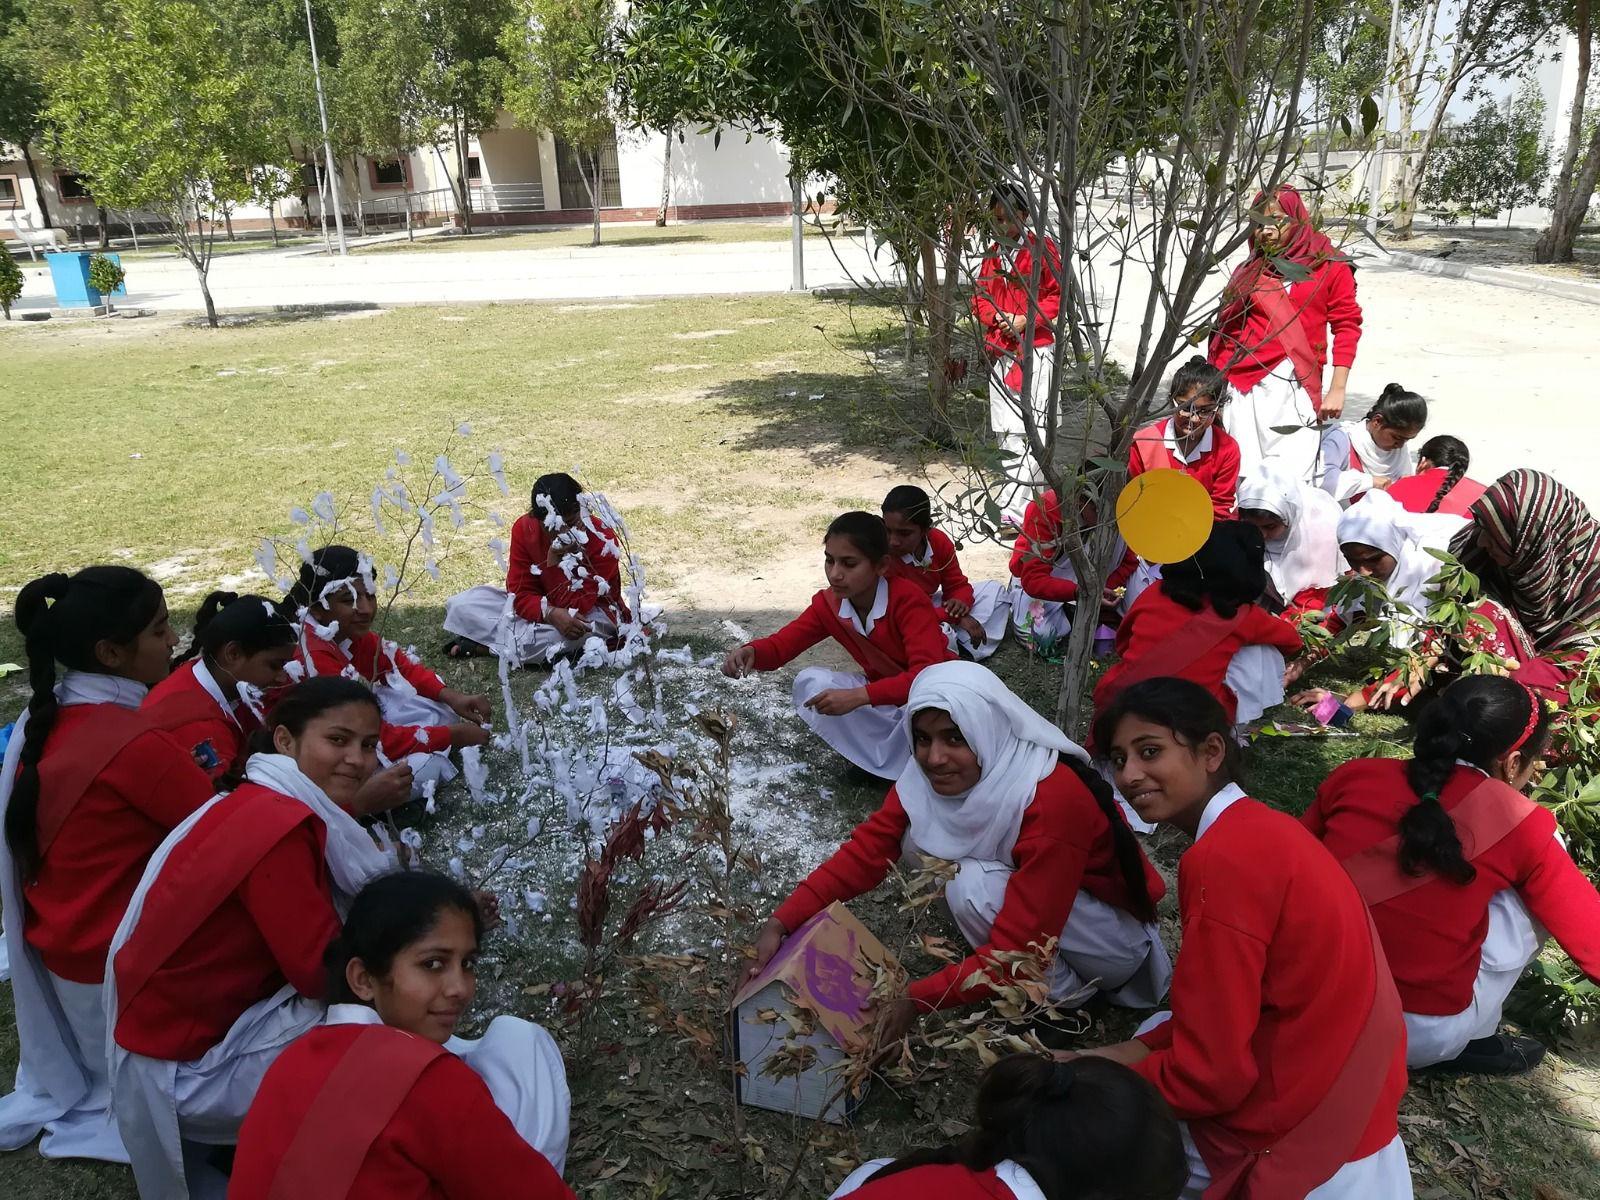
point(1451, 858)
point(1043, 1130)
point(89, 788)
point(1042, 848)
point(1441, 483)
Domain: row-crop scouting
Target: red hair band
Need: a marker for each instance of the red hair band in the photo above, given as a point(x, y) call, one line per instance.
point(1537, 709)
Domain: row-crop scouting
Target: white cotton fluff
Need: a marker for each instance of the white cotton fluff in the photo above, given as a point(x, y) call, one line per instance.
point(322, 505)
point(299, 515)
point(535, 901)
point(458, 869)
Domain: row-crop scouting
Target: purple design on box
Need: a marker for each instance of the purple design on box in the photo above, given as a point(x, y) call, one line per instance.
point(832, 980)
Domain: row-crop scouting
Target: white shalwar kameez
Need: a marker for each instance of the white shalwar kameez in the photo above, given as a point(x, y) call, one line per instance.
point(1023, 474)
point(62, 1089)
point(485, 614)
point(991, 609)
point(1276, 402)
point(171, 1112)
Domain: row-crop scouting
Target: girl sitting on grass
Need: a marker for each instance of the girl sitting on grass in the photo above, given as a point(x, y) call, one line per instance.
point(383, 1100)
point(1368, 455)
point(974, 615)
point(887, 625)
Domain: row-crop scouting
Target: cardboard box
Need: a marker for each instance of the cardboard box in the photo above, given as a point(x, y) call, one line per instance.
point(822, 977)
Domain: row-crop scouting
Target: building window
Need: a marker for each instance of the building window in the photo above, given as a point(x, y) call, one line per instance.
point(390, 174)
point(311, 176)
point(9, 195)
point(72, 188)
point(570, 176)
point(474, 169)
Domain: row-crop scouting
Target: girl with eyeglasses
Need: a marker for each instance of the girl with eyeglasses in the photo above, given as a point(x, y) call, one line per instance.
point(1192, 439)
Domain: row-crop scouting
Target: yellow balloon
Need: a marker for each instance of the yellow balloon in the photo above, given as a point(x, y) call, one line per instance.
point(1164, 515)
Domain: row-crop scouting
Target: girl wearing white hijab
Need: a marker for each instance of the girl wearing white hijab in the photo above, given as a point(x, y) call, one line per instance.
point(218, 962)
point(1041, 848)
point(1300, 525)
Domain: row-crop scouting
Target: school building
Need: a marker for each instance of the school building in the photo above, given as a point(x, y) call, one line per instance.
point(516, 177)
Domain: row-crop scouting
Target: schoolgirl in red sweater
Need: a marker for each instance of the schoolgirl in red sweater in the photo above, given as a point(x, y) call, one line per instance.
point(335, 601)
point(1284, 1053)
point(1452, 858)
point(887, 625)
point(217, 963)
point(1085, 1130)
point(563, 585)
point(89, 788)
point(1192, 439)
point(974, 615)
point(1441, 483)
point(1045, 587)
point(1042, 849)
point(1197, 622)
point(382, 1101)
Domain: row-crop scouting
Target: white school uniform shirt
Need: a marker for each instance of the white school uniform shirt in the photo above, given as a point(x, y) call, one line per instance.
point(1203, 446)
point(1216, 806)
point(880, 606)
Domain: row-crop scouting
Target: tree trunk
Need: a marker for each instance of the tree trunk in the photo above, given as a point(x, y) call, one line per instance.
point(1555, 243)
point(461, 173)
point(592, 186)
point(272, 220)
point(205, 294)
point(666, 183)
point(227, 221)
point(103, 221)
point(38, 188)
point(1564, 225)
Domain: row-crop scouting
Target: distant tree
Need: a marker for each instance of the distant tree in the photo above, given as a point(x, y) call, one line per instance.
point(10, 281)
point(1527, 152)
point(559, 77)
point(268, 186)
point(160, 110)
point(1466, 177)
point(1343, 72)
point(22, 98)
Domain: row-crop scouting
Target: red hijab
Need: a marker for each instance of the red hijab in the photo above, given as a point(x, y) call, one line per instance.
point(1307, 245)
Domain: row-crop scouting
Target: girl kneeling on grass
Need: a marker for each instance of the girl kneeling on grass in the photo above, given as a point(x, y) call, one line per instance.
point(1044, 591)
point(423, 720)
point(1084, 1130)
point(1284, 1053)
point(563, 587)
point(1300, 526)
point(1368, 455)
point(974, 615)
point(887, 625)
point(382, 1101)
point(1042, 851)
point(1451, 857)
point(218, 962)
point(90, 786)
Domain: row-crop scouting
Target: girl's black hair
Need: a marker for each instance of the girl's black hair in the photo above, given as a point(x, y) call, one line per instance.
point(912, 503)
point(1180, 705)
point(866, 531)
point(560, 489)
point(387, 915)
point(62, 618)
point(1450, 453)
point(1089, 1129)
point(1476, 719)
point(1198, 373)
point(1010, 195)
point(255, 622)
point(1229, 571)
point(1400, 409)
point(326, 565)
point(1130, 860)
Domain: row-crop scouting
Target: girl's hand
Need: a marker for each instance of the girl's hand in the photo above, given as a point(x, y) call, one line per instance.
point(895, 1019)
point(489, 909)
point(470, 708)
point(1292, 671)
point(1332, 406)
point(1127, 1053)
point(568, 624)
point(973, 630)
point(466, 733)
point(1403, 685)
point(559, 549)
point(955, 610)
point(1381, 482)
point(1309, 698)
point(836, 702)
point(386, 789)
point(740, 661)
point(768, 941)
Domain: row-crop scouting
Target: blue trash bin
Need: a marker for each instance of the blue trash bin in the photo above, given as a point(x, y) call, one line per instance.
point(69, 272)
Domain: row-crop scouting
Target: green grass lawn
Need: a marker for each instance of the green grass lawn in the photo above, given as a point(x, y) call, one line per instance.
point(728, 431)
point(561, 237)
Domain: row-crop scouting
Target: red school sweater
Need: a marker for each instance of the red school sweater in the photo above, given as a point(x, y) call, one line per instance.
point(908, 634)
point(1217, 469)
point(1433, 935)
point(1248, 347)
point(1064, 845)
point(941, 576)
point(368, 658)
point(598, 582)
point(446, 1141)
point(1156, 618)
point(217, 742)
point(1276, 952)
point(946, 1182)
point(272, 928)
point(75, 901)
point(1003, 289)
point(1415, 492)
point(1034, 552)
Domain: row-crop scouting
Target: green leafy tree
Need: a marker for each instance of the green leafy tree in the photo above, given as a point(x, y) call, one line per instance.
point(22, 98)
point(106, 276)
point(1493, 163)
point(1579, 169)
point(559, 76)
point(1527, 152)
point(10, 281)
point(1344, 72)
point(161, 110)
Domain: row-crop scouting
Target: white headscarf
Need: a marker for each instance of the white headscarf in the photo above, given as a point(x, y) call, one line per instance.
point(1375, 460)
point(1378, 521)
point(352, 856)
point(1016, 748)
point(1308, 555)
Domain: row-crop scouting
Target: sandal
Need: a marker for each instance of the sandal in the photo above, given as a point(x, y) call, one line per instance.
point(465, 647)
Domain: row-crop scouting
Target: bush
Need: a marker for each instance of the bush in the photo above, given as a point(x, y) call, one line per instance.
point(105, 276)
point(10, 281)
